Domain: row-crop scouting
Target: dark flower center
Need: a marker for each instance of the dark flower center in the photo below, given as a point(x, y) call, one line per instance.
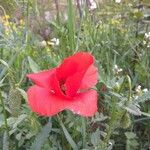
point(62, 86)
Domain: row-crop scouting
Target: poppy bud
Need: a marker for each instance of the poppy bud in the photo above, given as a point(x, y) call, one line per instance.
point(125, 120)
point(14, 101)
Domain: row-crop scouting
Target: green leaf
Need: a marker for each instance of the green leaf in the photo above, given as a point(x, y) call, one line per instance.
point(5, 141)
point(130, 135)
point(120, 97)
point(11, 61)
point(145, 114)
point(133, 109)
point(144, 97)
point(33, 65)
point(4, 63)
point(95, 137)
point(20, 119)
point(1, 81)
point(41, 137)
point(68, 136)
point(23, 93)
point(71, 27)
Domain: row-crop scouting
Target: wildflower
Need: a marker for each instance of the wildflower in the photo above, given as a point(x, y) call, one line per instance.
point(138, 89)
point(147, 35)
point(55, 41)
point(67, 86)
point(43, 44)
point(21, 22)
point(145, 90)
point(48, 16)
point(117, 1)
point(92, 5)
point(146, 43)
point(6, 23)
point(6, 17)
point(135, 97)
point(117, 70)
point(115, 21)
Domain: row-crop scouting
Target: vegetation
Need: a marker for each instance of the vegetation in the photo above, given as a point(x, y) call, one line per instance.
point(38, 34)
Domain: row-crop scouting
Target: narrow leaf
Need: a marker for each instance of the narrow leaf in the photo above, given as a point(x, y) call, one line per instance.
point(5, 141)
point(33, 65)
point(4, 63)
point(68, 136)
point(41, 137)
point(144, 97)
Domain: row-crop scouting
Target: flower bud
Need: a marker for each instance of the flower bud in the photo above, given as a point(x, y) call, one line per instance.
point(125, 120)
point(14, 101)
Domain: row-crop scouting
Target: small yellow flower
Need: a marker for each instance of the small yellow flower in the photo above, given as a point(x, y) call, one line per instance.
point(7, 31)
point(22, 23)
point(5, 17)
point(115, 21)
point(6, 23)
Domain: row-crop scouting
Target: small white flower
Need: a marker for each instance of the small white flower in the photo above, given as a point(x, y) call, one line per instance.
point(136, 97)
point(93, 5)
point(117, 69)
point(48, 16)
point(55, 41)
point(144, 42)
point(43, 44)
point(145, 90)
point(117, 1)
point(110, 143)
point(138, 89)
point(147, 35)
point(81, 2)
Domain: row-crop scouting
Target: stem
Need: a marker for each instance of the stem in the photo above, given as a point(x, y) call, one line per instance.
point(58, 11)
point(111, 124)
point(84, 131)
point(128, 79)
point(27, 23)
point(79, 8)
point(5, 115)
point(135, 55)
point(71, 25)
point(130, 87)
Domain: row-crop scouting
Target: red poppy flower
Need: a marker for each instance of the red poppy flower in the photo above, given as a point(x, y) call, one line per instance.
point(67, 86)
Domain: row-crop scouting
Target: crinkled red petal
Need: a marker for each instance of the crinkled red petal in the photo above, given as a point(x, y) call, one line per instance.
point(42, 78)
point(73, 64)
point(90, 78)
point(85, 104)
point(45, 102)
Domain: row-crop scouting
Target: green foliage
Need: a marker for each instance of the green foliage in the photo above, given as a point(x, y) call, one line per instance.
point(5, 141)
point(34, 67)
point(42, 137)
point(115, 34)
point(131, 142)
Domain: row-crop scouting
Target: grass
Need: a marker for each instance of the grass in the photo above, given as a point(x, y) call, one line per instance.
point(115, 34)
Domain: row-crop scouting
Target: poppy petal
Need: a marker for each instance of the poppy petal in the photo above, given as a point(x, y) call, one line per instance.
point(73, 64)
point(73, 83)
point(42, 78)
point(90, 78)
point(85, 104)
point(45, 102)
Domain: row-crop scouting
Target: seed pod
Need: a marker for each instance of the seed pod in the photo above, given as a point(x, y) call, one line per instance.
point(125, 120)
point(14, 101)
